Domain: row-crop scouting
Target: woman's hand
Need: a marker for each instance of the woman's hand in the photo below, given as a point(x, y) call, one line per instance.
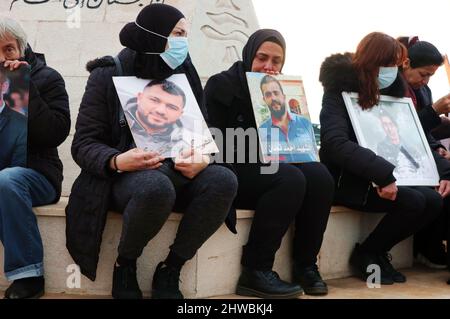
point(191, 163)
point(274, 73)
point(442, 106)
point(444, 153)
point(388, 192)
point(137, 160)
point(14, 64)
point(444, 188)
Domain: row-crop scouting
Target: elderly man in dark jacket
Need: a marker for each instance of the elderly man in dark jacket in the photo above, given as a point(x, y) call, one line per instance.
point(39, 182)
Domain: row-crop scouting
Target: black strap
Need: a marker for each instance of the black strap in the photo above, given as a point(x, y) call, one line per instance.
point(409, 157)
point(119, 72)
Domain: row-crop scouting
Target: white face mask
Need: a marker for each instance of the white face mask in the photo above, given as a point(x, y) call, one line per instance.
point(177, 52)
point(387, 76)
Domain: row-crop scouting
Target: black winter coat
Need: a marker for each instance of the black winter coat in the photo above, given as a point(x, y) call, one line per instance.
point(100, 134)
point(353, 167)
point(428, 117)
point(48, 120)
point(228, 104)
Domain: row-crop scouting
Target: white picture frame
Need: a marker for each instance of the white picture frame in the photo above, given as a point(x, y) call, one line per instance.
point(393, 131)
point(298, 145)
point(188, 130)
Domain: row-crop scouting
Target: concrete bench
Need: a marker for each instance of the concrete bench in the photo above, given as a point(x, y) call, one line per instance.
point(215, 268)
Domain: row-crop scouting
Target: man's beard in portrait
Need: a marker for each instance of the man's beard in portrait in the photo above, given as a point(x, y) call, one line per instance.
point(143, 118)
point(277, 114)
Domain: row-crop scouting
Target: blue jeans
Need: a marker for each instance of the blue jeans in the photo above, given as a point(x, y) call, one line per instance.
point(20, 190)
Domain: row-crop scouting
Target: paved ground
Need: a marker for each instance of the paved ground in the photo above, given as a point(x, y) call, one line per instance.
point(423, 283)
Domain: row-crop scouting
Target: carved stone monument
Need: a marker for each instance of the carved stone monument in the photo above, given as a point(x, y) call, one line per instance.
point(220, 29)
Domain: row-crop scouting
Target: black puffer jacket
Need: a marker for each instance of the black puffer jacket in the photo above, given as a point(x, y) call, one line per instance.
point(353, 167)
point(48, 119)
point(100, 134)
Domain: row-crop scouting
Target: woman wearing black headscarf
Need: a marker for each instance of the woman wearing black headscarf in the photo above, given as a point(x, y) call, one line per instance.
point(423, 61)
point(142, 185)
point(300, 193)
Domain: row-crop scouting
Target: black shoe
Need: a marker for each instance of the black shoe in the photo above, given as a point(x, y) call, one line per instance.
point(310, 280)
point(266, 284)
point(361, 260)
point(386, 266)
point(427, 262)
point(26, 288)
point(125, 284)
point(166, 283)
point(432, 255)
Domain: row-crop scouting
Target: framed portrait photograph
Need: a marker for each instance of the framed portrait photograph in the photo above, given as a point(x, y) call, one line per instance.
point(284, 127)
point(447, 68)
point(393, 131)
point(164, 116)
point(14, 97)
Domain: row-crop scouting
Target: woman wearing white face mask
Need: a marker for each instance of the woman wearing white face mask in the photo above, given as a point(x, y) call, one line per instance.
point(141, 184)
point(371, 71)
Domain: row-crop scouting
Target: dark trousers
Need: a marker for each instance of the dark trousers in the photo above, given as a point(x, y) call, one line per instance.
point(302, 193)
point(147, 199)
point(428, 241)
point(413, 209)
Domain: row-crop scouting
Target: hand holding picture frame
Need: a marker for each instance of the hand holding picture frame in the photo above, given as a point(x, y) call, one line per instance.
point(285, 131)
point(393, 131)
point(164, 116)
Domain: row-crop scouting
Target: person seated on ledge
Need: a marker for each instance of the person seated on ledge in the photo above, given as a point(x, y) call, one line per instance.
point(371, 71)
point(296, 193)
point(142, 185)
point(37, 180)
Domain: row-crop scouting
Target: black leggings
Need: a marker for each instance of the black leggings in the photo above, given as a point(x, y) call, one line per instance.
point(300, 192)
point(428, 241)
point(413, 209)
point(147, 198)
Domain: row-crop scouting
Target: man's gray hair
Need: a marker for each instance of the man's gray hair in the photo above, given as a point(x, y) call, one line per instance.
point(11, 28)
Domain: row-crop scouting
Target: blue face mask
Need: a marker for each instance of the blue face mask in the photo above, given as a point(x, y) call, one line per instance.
point(177, 52)
point(387, 76)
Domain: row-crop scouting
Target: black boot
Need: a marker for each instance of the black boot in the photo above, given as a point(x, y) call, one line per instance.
point(386, 266)
point(360, 260)
point(26, 288)
point(125, 284)
point(266, 284)
point(310, 280)
point(165, 283)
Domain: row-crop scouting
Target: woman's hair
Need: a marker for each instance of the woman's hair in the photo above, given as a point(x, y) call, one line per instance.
point(374, 51)
point(421, 53)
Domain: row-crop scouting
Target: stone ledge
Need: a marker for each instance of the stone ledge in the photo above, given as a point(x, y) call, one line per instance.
point(215, 268)
point(58, 210)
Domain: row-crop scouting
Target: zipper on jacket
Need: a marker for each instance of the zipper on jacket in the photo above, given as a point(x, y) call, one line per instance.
point(340, 178)
point(367, 195)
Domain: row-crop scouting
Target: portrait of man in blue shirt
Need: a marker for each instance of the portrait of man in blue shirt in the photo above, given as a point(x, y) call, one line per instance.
point(286, 137)
point(13, 132)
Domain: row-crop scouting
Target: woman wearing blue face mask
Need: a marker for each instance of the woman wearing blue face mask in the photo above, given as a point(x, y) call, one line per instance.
point(371, 71)
point(141, 184)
